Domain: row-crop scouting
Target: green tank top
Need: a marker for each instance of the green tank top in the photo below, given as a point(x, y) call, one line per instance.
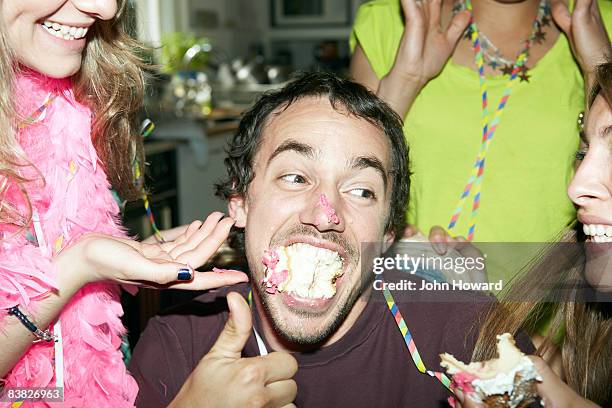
point(530, 161)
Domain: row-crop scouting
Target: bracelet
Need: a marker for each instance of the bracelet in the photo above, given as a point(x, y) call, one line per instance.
point(42, 335)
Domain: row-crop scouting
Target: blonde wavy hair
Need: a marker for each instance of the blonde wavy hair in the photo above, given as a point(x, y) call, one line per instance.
point(111, 82)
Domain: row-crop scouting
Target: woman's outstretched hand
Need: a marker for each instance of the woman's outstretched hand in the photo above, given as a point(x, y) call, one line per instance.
point(424, 49)
point(172, 264)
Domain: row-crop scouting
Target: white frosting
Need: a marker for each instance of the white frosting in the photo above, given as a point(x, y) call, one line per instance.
point(312, 270)
point(503, 382)
point(509, 357)
point(497, 376)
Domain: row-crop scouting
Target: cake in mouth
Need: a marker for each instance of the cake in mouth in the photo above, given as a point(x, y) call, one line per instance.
point(302, 270)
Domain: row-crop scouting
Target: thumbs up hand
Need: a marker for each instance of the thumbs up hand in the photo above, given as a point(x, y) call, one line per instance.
point(224, 379)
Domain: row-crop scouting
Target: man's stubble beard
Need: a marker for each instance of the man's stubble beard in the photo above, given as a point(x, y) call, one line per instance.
point(288, 334)
point(340, 311)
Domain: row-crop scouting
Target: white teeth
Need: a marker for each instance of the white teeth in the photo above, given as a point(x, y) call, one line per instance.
point(597, 230)
point(602, 238)
point(63, 31)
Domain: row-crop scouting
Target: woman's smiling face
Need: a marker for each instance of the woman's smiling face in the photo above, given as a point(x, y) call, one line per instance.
point(591, 191)
point(49, 36)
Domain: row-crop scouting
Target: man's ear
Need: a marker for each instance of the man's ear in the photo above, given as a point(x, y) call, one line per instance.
point(388, 240)
point(238, 210)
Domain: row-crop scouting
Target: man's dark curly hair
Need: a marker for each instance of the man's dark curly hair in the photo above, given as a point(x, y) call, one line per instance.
point(345, 95)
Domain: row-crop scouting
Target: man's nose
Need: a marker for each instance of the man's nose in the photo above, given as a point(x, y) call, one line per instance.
point(100, 9)
point(322, 212)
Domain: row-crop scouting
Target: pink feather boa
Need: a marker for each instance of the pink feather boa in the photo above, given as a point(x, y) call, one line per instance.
point(73, 200)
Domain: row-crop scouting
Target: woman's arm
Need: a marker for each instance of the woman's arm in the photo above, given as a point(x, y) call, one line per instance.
point(97, 258)
point(15, 339)
point(362, 71)
point(423, 51)
point(398, 92)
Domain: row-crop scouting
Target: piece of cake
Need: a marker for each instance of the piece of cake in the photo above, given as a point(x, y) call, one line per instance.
point(304, 270)
point(507, 381)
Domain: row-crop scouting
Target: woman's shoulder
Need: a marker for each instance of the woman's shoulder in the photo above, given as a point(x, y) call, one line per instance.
point(378, 29)
point(379, 5)
point(382, 12)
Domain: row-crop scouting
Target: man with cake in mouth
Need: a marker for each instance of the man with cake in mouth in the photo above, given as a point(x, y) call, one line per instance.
point(315, 170)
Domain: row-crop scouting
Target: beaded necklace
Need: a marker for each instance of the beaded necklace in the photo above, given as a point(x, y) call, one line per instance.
point(493, 56)
point(489, 125)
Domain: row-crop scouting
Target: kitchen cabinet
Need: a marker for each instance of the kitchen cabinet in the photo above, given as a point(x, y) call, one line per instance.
point(161, 184)
point(198, 175)
point(200, 152)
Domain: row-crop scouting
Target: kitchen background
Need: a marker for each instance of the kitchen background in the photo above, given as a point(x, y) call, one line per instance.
point(215, 58)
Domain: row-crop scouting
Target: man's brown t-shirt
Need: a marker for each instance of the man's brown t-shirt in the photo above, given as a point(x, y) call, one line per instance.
point(370, 366)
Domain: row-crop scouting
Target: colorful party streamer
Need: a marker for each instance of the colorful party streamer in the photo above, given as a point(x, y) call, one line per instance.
point(488, 127)
point(38, 114)
point(409, 340)
point(146, 129)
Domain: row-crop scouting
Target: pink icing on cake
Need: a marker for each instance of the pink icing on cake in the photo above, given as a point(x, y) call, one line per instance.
point(463, 381)
point(276, 279)
point(221, 270)
point(329, 210)
point(271, 282)
point(270, 258)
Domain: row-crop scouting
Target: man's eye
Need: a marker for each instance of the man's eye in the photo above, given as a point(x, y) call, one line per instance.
point(293, 179)
point(363, 193)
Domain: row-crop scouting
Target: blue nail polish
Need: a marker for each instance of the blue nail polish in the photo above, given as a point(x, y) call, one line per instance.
point(184, 274)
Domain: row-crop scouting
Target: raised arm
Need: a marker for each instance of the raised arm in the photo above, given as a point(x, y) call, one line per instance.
point(424, 49)
point(586, 33)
